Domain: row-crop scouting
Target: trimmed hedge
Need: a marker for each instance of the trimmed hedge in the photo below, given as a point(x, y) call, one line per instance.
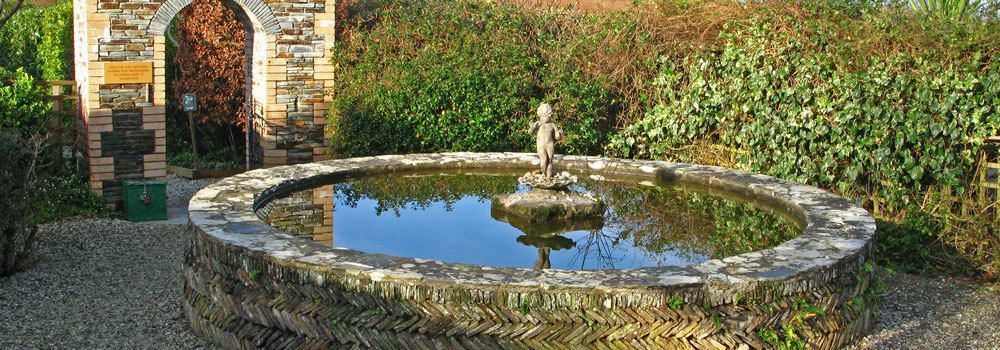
point(436, 75)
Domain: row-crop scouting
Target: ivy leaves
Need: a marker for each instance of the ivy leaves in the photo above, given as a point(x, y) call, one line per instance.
point(889, 130)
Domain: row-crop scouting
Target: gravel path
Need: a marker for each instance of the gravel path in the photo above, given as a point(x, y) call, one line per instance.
point(111, 284)
point(180, 190)
point(99, 284)
point(935, 313)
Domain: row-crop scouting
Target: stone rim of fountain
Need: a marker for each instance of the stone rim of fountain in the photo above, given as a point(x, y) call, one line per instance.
point(835, 231)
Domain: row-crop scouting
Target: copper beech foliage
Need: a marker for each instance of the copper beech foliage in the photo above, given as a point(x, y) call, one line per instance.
point(211, 61)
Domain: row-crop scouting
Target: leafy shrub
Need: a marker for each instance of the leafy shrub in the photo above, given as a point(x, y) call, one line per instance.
point(38, 187)
point(22, 102)
point(55, 51)
point(40, 40)
point(870, 102)
point(19, 159)
point(210, 61)
point(436, 75)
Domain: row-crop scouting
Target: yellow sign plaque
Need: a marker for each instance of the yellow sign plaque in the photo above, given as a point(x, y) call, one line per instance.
point(128, 72)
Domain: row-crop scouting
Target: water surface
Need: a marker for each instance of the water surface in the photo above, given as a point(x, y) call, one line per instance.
point(447, 217)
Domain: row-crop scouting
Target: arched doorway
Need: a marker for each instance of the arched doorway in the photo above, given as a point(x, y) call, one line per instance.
point(120, 72)
point(209, 53)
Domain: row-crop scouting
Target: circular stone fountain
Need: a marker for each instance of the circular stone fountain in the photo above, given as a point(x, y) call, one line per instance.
point(249, 284)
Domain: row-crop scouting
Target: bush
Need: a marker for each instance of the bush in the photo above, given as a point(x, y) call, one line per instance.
point(55, 51)
point(23, 104)
point(40, 40)
point(38, 187)
point(871, 102)
point(437, 75)
point(19, 159)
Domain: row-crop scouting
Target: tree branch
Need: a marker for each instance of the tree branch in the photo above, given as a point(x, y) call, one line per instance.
point(6, 17)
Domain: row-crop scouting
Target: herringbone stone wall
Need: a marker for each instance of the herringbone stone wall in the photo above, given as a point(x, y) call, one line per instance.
point(249, 285)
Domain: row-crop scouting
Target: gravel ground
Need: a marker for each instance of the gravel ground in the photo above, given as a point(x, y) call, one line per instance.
point(935, 313)
point(99, 284)
point(180, 190)
point(111, 284)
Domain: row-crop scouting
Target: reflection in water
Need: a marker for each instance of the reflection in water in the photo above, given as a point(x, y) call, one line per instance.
point(448, 217)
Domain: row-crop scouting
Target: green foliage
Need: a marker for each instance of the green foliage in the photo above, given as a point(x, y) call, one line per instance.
point(217, 158)
point(913, 245)
point(63, 193)
point(947, 8)
point(23, 105)
point(871, 102)
point(19, 159)
point(437, 75)
point(888, 130)
point(55, 51)
point(786, 340)
point(37, 187)
point(676, 303)
point(39, 40)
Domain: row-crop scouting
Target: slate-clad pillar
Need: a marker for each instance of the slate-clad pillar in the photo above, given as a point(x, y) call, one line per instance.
point(123, 123)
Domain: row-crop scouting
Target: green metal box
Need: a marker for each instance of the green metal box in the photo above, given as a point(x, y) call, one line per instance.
point(145, 200)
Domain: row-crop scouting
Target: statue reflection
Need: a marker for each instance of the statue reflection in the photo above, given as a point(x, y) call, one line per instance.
point(547, 236)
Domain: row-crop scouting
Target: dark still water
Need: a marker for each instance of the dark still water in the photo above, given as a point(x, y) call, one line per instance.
point(447, 217)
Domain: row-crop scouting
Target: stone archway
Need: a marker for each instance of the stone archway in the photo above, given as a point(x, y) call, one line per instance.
point(120, 72)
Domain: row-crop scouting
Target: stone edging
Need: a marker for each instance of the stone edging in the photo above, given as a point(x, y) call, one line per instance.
point(822, 267)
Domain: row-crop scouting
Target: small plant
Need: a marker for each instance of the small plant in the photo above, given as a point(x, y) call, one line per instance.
point(377, 311)
point(676, 303)
point(786, 340)
point(253, 274)
point(524, 308)
point(719, 321)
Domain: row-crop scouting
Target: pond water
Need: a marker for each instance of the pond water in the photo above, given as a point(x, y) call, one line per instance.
point(448, 217)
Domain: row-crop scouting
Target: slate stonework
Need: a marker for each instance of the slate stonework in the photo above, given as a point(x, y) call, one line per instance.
point(289, 72)
point(249, 285)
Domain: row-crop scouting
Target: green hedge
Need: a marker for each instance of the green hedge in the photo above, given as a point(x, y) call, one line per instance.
point(40, 40)
point(873, 103)
point(797, 105)
point(23, 105)
point(436, 75)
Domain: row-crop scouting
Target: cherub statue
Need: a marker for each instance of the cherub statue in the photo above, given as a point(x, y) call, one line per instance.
point(548, 134)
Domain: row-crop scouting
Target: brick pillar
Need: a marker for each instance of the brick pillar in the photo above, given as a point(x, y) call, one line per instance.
point(123, 124)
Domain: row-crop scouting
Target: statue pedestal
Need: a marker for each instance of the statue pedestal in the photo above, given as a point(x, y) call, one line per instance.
point(548, 206)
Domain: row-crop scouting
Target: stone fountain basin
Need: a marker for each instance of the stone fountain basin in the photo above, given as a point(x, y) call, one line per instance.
point(244, 278)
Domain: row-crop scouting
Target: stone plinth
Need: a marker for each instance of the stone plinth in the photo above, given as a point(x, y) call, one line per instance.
point(547, 206)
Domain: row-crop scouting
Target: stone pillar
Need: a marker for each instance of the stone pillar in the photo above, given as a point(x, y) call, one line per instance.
point(124, 124)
